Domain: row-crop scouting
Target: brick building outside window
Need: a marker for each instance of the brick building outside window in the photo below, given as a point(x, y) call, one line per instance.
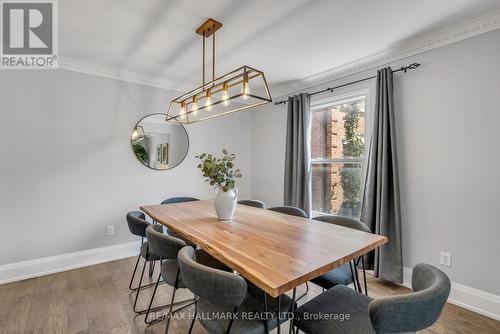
point(338, 152)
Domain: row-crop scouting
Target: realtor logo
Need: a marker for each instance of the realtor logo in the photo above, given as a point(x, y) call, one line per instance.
point(29, 34)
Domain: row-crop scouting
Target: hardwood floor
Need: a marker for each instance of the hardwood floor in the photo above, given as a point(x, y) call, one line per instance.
point(96, 299)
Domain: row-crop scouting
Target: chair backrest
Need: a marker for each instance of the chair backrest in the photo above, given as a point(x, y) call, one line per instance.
point(162, 245)
point(253, 202)
point(414, 311)
point(137, 223)
point(290, 210)
point(216, 286)
point(174, 200)
point(344, 221)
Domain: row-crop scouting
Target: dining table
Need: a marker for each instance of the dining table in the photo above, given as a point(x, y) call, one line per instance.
point(276, 252)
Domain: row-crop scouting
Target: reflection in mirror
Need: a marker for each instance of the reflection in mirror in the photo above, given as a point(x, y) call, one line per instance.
point(159, 144)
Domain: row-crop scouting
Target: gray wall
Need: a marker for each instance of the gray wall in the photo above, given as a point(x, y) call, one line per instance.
point(448, 119)
point(67, 168)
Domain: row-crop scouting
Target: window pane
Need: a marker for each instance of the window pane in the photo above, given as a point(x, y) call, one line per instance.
point(338, 131)
point(337, 189)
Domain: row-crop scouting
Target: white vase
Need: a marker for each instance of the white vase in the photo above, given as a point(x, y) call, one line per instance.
point(225, 202)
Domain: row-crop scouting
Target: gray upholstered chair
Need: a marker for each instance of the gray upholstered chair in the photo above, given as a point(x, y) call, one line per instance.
point(346, 273)
point(222, 292)
point(253, 202)
point(175, 200)
point(396, 314)
point(137, 225)
point(167, 248)
point(290, 210)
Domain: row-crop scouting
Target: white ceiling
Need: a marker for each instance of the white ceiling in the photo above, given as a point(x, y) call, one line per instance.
point(288, 39)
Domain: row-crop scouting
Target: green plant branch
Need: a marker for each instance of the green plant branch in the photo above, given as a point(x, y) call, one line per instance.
point(219, 172)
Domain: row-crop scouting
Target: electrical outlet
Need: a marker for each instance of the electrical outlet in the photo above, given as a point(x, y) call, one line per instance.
point(110, 230)
point(445, 259)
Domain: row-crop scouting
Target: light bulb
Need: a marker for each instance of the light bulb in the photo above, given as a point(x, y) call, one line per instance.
point(135, 134)
point(182, 112)
point(225, 95)
point(208, 101)
point(194, 105)
point(245, 89)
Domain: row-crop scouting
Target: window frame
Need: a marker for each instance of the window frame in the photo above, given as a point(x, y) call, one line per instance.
point(347, 95)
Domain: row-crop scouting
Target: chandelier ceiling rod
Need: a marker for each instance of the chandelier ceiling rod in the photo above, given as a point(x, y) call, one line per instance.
point(207, 29)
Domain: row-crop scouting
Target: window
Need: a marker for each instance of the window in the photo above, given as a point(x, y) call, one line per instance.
point(338, 156)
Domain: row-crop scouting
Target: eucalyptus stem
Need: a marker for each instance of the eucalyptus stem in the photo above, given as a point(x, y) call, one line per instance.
point(220, 171)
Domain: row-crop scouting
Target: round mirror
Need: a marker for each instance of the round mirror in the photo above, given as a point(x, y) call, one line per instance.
point(159, 144)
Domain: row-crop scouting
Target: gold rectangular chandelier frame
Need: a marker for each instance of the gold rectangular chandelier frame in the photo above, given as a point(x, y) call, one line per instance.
point(232, 79)
point(240, 89)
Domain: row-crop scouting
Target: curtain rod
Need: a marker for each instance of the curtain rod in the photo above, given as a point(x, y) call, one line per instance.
point(403, 69)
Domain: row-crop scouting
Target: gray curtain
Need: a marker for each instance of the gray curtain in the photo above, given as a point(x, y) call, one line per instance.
point(381, 209)
point(298, 154)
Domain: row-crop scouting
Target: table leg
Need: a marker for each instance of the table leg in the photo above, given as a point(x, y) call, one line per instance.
point(279, 314)
point(266, 313)
point(290, 331)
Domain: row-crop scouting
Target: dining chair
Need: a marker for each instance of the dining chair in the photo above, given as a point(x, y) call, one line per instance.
point(137, 224)
point(175, 200)
point(347, 273)
point(395, 314)
point(290, 210)
point(293, 211)
point(221, 292)
point(167, 248)
point(253, 202)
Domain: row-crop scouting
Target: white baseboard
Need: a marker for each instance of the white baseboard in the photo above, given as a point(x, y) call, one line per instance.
point(478, 301)
point(53, 264)
point(469, 298)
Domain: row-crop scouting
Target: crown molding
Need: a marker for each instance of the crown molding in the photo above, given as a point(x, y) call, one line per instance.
point(455, 34)
point(80, 66)
point(410, 48)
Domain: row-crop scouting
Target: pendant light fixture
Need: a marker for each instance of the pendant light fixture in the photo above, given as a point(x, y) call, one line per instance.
point(240, 89)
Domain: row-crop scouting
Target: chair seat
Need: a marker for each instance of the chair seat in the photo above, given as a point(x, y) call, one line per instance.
point(339, 276)
point(338, 301)
point(169, 267)
point(250, 317)
point(146, 253)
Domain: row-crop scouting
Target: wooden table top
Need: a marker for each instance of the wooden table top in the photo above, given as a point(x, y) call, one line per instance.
point(274, 251)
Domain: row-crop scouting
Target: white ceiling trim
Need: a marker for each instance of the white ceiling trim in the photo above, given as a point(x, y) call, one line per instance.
point(455, 34)
point(80, 66)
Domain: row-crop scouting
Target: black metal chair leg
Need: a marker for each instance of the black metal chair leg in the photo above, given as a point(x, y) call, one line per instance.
point(353, 277)
point(194, 317)
point(364, 274)
point(355, 267)
point(228, 330)
point(169, 315)
point(305, 293)
point(151, 301)
point(133, 274)
point(139, 290)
